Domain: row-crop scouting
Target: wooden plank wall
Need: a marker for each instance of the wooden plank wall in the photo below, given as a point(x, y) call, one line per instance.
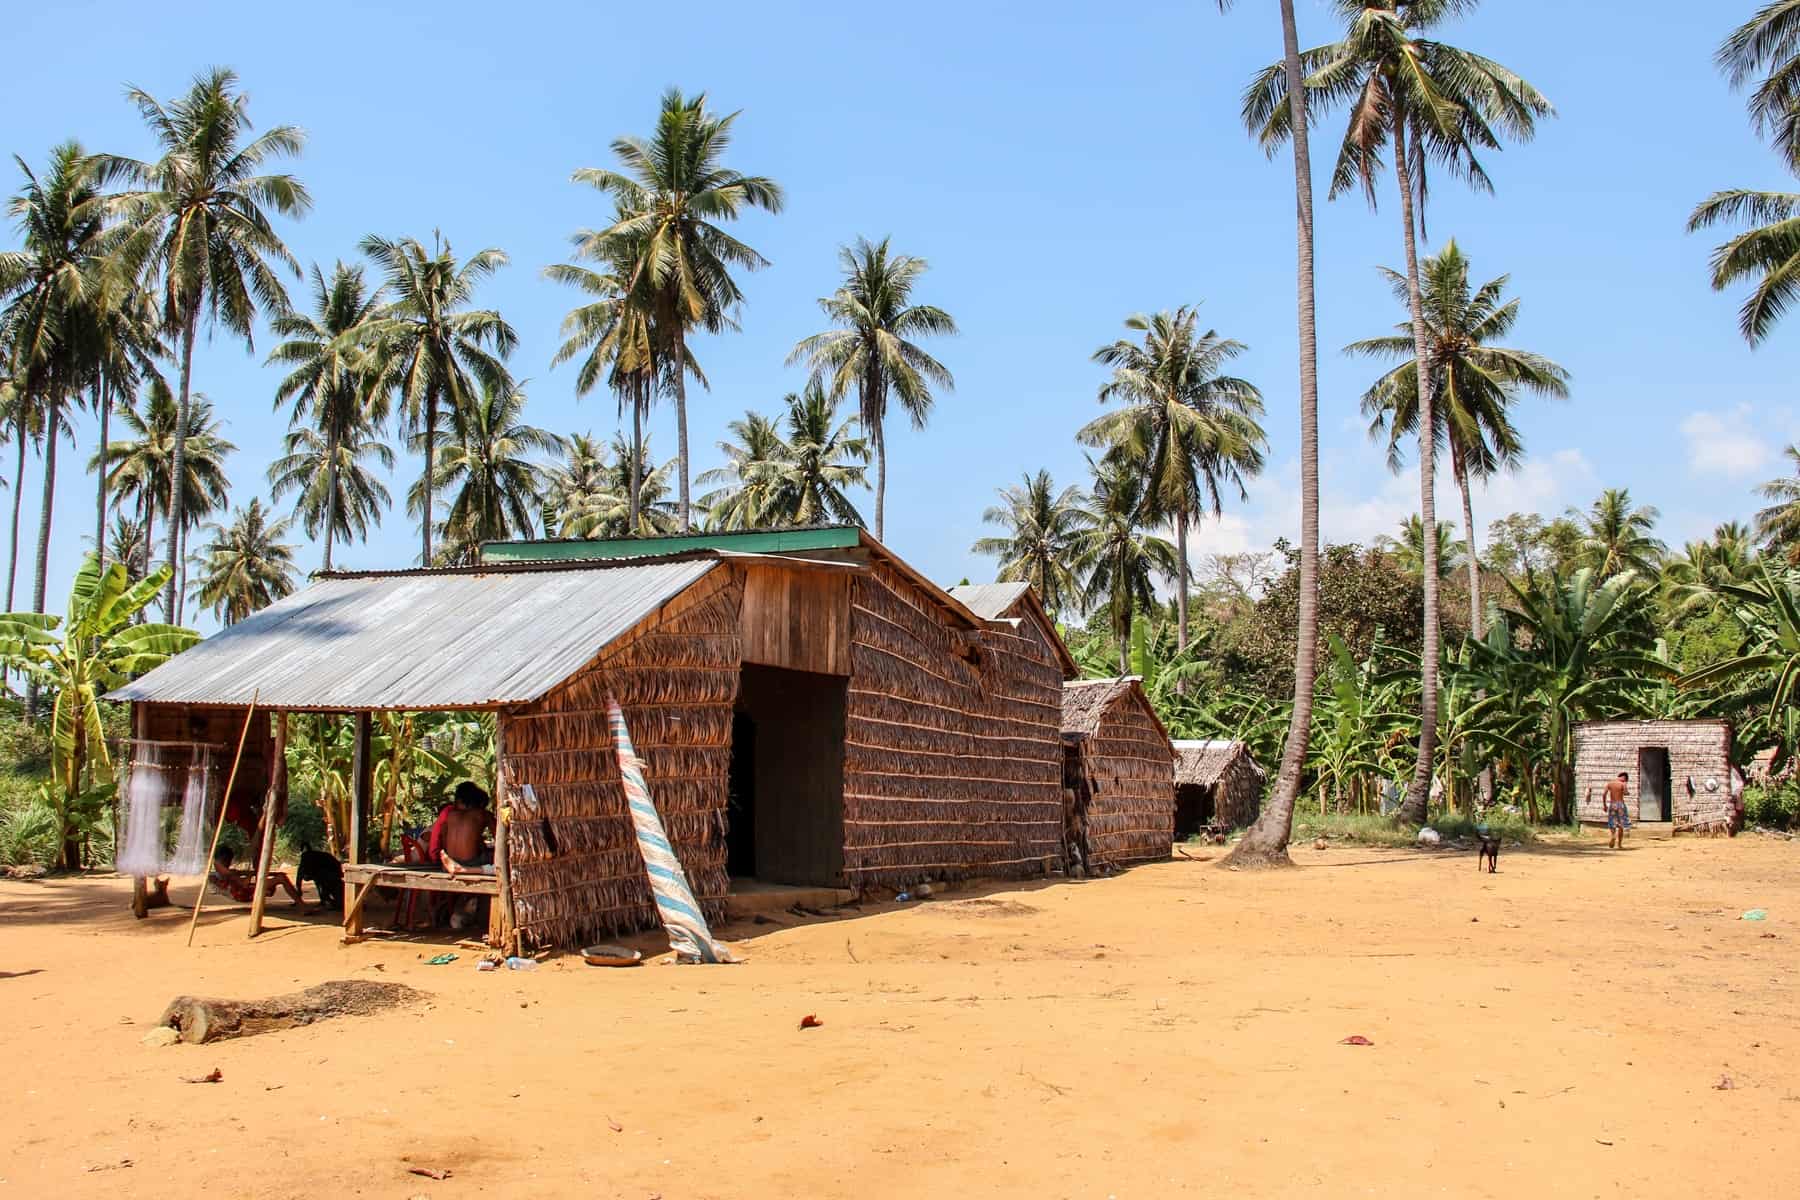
point(797, 618)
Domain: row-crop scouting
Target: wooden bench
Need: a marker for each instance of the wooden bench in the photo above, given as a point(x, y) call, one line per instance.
point(362, 878)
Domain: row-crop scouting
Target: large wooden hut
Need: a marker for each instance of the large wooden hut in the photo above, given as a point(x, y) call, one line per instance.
point(810, 711)
point(1218, 784)
point(1118, 773)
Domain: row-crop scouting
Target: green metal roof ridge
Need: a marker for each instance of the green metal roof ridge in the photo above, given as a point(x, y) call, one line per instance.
point(774, 541)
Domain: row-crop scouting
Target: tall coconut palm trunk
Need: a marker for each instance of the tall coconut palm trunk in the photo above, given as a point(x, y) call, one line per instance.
point(1459, 467)
point(634, 478)
point(1265, 844)
point(178, 466)
point(52, 420)
point(880, 481)
point(681, 424)
point(331, 500)
point(1418, 794)
point(12, 563)
point(103, 404)
point(1181, 580)
point(426, 488)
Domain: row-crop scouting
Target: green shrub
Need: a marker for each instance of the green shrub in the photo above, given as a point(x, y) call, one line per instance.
point(28, 834)
point(1775, 805)
point(1371, 829)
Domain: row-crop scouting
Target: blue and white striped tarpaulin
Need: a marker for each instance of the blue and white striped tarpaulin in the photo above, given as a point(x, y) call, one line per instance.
point(689, 935)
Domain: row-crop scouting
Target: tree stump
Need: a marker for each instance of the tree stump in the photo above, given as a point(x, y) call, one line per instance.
point(199, 1019)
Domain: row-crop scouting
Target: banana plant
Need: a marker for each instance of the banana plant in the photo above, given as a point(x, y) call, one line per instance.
point(80, 658)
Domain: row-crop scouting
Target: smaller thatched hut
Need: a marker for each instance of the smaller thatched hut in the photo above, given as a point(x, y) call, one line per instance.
point(1678, 772)
point(1118, 775)
point(1215, 782)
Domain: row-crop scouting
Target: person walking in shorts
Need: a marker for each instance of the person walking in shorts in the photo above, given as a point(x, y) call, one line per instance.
point(1618, 817)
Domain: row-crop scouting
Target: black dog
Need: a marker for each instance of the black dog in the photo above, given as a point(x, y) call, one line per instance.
point(1490, 852)
point(326, 874)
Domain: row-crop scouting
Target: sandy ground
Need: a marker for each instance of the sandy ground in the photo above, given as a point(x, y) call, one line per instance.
point(1560, 1028)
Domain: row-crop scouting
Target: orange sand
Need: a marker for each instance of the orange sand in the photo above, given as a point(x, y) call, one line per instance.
point(1557, 1029)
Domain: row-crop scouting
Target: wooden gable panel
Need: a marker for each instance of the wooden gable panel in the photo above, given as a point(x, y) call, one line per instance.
point(797, 618)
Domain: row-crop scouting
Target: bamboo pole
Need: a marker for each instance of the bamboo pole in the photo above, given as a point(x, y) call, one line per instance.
point(277, 789)
point(224, 804)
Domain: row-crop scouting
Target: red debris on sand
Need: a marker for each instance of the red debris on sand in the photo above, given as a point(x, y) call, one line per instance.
point(212, 1076)
point(1356, 1039)
point(429, 1172)
point(810, 1022)
point(614, 1125)
point(1724, 1085)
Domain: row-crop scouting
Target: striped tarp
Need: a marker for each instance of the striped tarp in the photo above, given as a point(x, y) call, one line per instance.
point(689, 935)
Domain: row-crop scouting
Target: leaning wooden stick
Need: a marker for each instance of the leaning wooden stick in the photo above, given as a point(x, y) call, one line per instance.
point(224, 804)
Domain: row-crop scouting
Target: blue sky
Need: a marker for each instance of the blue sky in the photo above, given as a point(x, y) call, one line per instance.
point(1061, 165)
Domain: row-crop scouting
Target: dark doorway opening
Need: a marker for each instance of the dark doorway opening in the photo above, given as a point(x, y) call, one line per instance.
point(1193, 809)
point(1654, 798)
point(785, 817)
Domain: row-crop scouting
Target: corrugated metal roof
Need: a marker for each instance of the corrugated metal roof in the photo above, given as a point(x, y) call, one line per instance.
point(419, 639)
point(989, 601)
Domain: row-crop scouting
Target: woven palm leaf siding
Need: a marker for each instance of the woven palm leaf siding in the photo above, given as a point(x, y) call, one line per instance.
point(575, 868)
point(952, 768)
point(1129, 765)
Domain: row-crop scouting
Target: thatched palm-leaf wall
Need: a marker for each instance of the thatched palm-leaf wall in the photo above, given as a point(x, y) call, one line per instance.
point(952, 763)
point(1127, 763)
point(576, 873)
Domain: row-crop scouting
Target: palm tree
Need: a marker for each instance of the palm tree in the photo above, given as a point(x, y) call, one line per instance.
point(1187, 427)
point(22, 419)
point(50, 290)
point(615, 335)
point(140, 467)
point(740, 498)
point(332, 422)
point(497, 490)
point(334, 488)
point(1779, 524)
point(1768, 44)
point(128, 543)
point(1615, 535)
point(872, 349)
point(1423, 101)
point(821, 456)
point(1119, 560)
point(126, 342)
point(202, 229)
point(1697, 577)
point(246, 566)
point(1265, 842)
point(1043, 529)
point(1409, 548)
point(429, 349)
point(606, 511)
point(1477, 383)
point(571, 484)
point(671, 194)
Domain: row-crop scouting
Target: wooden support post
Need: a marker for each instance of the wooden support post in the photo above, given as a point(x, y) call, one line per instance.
point(140, 886)
point(276, 794)
point(502, 927)
point(359, 791)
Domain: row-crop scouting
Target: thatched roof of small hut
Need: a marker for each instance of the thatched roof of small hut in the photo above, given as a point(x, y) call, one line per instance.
point(1203, 762)
point(1085, 702)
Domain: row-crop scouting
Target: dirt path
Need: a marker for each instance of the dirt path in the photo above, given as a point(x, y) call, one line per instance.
point(1560, 1028)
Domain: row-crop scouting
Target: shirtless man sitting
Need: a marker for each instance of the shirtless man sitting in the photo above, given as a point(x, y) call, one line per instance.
point(465, 826)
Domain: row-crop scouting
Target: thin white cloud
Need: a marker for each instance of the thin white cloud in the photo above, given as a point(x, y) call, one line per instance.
point(1729, 443)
